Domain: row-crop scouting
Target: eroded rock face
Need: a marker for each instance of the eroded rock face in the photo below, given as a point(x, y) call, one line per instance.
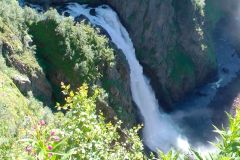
point(171, 43)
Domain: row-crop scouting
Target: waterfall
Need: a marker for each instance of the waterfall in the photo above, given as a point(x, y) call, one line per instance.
point(159, 131)
point(193, 114)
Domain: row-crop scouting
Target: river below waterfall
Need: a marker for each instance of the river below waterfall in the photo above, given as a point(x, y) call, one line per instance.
point(200, 110)
point(192, 121)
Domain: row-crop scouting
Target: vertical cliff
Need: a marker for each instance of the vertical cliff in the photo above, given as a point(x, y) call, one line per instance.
point(171, 41)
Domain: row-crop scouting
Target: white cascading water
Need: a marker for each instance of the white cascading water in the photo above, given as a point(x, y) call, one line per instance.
point(159, 131)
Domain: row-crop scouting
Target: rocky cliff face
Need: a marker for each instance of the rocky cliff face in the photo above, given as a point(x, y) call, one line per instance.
point(171, 43)
point(232, 12)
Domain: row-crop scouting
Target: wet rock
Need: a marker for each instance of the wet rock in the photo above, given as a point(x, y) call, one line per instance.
point(66, 14)
point(103, 107)
point(92, 12)
point(104, 6)
point(81, 18)
point(120, 91)
point(47, 3)
point(225, 70)
point(227, 99)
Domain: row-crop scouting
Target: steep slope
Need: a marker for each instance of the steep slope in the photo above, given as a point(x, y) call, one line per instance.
point(15, 48)
point(66, 51)
point(171, 42)
point(22, 82)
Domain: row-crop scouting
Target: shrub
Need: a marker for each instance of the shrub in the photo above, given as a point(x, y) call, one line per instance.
point(229, 146)
point(74, 48)
point(81, 133)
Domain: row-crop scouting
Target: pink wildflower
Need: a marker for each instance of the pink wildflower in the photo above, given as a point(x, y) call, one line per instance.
point(42, 122)
point(50, 155)
point(28, 149)
point(50, 147)
point(56, 138)
point(52, 133)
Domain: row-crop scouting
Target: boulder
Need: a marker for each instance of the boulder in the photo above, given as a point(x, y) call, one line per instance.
point(23, 83)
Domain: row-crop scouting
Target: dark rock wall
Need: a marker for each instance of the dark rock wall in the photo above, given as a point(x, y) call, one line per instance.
point(171, 40)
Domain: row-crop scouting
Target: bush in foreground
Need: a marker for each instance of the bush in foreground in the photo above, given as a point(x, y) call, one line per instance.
point(83, 134)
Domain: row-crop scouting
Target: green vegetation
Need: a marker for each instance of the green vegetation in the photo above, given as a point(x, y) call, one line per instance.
point(181, 65)
point(213, 15)
point(16, 111)
point(13, 32)
point(78, 52)
point(230, 146)
point(28, 130)
point(82, 133)
point(73, 49)
point(79, 134)
point(16, 115)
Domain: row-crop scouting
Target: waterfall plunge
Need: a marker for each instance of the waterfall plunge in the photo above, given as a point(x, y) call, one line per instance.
point(159, 131)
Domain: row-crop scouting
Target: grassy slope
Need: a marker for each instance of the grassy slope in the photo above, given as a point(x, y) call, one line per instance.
point(17, 113)
point(13, 104)
point(15, 109)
